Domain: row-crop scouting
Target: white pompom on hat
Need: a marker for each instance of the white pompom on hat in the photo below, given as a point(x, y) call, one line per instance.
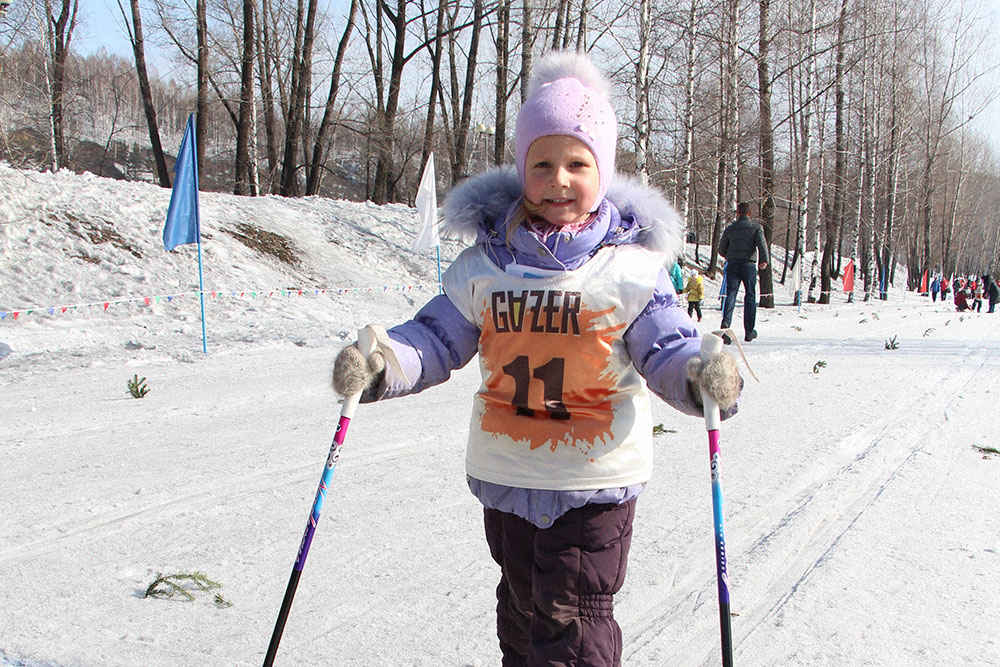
point(568, 95)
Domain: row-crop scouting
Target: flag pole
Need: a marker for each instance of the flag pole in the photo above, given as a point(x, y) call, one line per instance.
point(201, 293)
point(201, 272)
point(440, 287)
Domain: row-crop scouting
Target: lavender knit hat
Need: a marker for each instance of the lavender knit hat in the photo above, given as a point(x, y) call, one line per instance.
point(568, 95)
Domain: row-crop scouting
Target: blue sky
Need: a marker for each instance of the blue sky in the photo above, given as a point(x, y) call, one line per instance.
point(101, 26)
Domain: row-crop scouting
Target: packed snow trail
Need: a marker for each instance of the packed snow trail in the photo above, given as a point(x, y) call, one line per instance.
point(801, 526)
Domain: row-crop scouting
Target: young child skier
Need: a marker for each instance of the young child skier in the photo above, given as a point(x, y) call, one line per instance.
point(565, 296)
point(695, 289)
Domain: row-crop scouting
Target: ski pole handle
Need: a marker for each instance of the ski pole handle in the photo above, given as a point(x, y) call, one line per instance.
point(367, 344)
point(710, 344)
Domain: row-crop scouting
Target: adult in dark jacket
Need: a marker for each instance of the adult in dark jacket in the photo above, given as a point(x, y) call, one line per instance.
point(991, 291)
point(745, 249)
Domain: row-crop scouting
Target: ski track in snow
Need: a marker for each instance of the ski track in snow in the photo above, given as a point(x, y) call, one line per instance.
point(832, 506)
point(815, 514)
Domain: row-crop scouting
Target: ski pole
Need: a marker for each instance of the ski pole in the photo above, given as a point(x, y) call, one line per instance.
point(367, 344)
point(712, 344)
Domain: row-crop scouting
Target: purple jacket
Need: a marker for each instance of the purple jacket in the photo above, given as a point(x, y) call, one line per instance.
point(660, 340)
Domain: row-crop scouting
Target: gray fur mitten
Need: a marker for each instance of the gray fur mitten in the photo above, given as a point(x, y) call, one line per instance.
point(352, 373)
point(718, 377)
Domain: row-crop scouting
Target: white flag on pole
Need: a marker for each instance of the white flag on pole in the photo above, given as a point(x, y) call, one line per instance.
point(427, 209)
point(796, 277)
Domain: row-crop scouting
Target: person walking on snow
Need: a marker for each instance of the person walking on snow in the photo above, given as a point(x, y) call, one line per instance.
point(935, 288)
point(566, 299)
point(991, 291)
point(695, 290)
point(977, 296)
point(745, 249)
point(677, 277)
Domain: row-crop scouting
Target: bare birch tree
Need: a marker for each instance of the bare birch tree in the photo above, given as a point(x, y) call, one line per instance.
point(59, 28)
point(244, 130)
point(137, 40)
point(642, 95)
point(835, 221)
point(295, 121)
point(767, 185)
point(807, 108)
point(326, 126)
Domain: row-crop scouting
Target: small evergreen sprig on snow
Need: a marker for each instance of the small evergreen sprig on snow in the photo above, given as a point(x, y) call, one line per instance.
point(818, 365)
point(184, 586)
point(137, 387)
point(891, 344)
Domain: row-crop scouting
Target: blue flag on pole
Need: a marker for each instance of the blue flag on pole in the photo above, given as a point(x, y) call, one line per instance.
point(183, 221)
point(183, 224)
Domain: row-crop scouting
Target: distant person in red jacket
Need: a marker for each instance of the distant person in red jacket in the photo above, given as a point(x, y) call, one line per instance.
point(961, 299)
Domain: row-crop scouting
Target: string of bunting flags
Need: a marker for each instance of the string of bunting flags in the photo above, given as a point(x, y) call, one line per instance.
point(144, 301)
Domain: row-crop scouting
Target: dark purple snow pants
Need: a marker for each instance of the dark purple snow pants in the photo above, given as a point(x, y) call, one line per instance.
point(555, 601)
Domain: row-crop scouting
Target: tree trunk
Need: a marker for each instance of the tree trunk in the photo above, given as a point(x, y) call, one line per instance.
point(732, 122)
point(871, 144)
point(862, 171)
point(527, 44)
point(892, 168)
point(265, 63)
point(728, 128)
point(766, 149)
point(60, 30)
point(465, 122)
point(435, 46)
point(502, 93)
point(581, 33)
point(803, 224)
point(688, 157)
point(818, 223)
point(301, 66)
point(948, 230)
point(46, 51)
point(835, 220)
point(562, 9)
point(201, 105)
point(720, 173)
point(244, 132)
point(323, 135)
point(642, 95)
point(138, 49)
point(720, 195)
point(384, 186)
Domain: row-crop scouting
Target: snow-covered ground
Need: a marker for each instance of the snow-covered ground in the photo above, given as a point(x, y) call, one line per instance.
point(861, 519)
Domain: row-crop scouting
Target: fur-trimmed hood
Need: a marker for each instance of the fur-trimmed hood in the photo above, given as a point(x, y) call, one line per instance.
point(477, 208)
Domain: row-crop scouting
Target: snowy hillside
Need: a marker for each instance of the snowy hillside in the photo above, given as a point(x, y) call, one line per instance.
point(860, 493)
